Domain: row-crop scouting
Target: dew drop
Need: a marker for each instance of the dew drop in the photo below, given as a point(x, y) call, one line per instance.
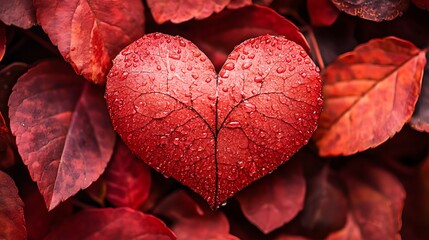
point(252, 170)
point(234, 55)
point(233, 124)
point(288, 60)
point(302, 53)
point(299, 59)
point(303, 74)
point(223, 73)
point(246, 65)
point(174, 56)
point(158, 68)
point(281, 70)
point(225, 89)
point(211, 97)
point(291, 68)
point(208, 80)
point(189, 68)
point(258, 79)
point(317, 69)
point(203, 59)
point(224, 204)
point(172, 67)
point(195, 76)
point(124, 75)
point(307, 61)
point(249, 107)
point(176, 141)
point(182, 43)
point(196, 54)
point(229, 66)
point(128, 64)
point(251, 56)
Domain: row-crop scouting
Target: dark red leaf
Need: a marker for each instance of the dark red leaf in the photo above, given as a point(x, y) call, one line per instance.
point(192, 222)
point(423, 4)
point(370, 93)
point(8, 76)
point(214, 133)
point(184, 10)
point(2, 40)
point(89, 34)
point(111, 223)
point(37, 218)
point(275, 199)
point(18, 12)
point(350, 231)
point(322, 12)
point(7, 155)
point(326, 207)
point(420, 119)
point(376, 200)
point(223, 31)
point(97, 191)
point(65, 143)
point(374, 10)
point(11, 210)
point(128, 179)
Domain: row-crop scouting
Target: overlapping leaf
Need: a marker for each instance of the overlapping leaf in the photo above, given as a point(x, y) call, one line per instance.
point(322, 12)
point(370, 93)
point(89, 34)
point(215, 134)
point(184, 10)
point(128, 179)
point(11, 210)
point(192, 222)
point(111, 223)
point(374, 10)
point(18, 12)
point(275, 199)
point(223, 31)
point(65, 143)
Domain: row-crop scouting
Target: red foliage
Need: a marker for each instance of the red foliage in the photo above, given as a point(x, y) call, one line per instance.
point(322, 12)
point(127, 179)
point(66, 144)
point(20, 13)
point(217, 97)
point(184, 10)
point(11, 210)
point(109, 223)
point(159, 106)
point(89, 34)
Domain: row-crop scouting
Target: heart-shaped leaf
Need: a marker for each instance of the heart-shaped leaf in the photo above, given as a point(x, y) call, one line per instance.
point(214, 133)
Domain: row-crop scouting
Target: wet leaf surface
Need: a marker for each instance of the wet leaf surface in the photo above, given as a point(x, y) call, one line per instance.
point(180, 117)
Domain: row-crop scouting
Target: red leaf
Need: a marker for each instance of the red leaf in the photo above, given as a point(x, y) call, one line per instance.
point(89, 34)
point(128, 179)
point(420, 119)
point(65, 143)
point(215, 134)
point(376, 199)
point(7, 156)
point(276, 199)
point(374, 10)
point(350, 231)
point(423, 4)
point(191, 222)
point(37, 218)
point(2, 40)
point(111, 223)
point(184, 10)
point(11, 210)
point(322, 12)
point(18, 12)
point(370, 93)
point(326, 207)
point(223, 31)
